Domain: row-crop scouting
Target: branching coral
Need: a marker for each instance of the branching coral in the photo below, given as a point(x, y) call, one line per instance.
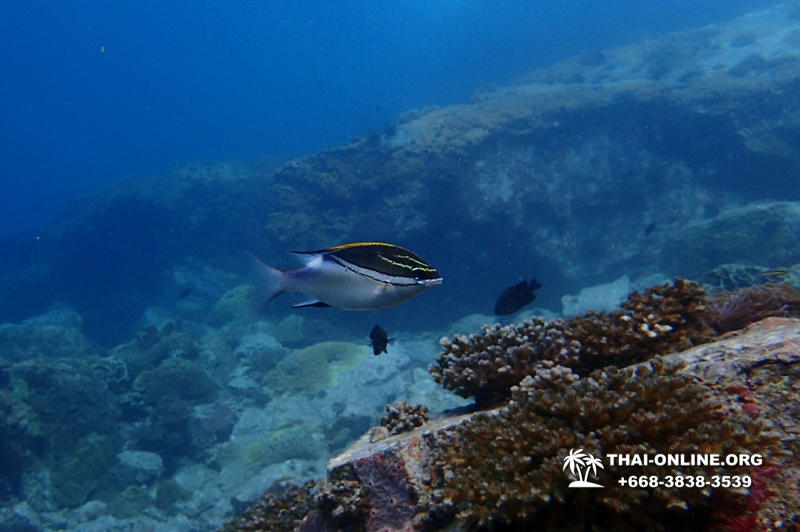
point(504, 467)
point(662, 319)
point(281, 508)
point(402, 417)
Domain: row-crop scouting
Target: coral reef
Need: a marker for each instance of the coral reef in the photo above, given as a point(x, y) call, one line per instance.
point(56, 334)
point(502, 173)
point(602, 164)
point(505, 467)
point(662, 319)
point(280, 509)
point(402, 417)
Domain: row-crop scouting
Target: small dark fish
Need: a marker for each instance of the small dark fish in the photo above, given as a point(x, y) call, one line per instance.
point(379, 340)
point(649, 229)
point(515, 297)
point(184, 293)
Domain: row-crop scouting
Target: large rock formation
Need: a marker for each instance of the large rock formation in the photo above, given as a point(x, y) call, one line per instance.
point(630, 160)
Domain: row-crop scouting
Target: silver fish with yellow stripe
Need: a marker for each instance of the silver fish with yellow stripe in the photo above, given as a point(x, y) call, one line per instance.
point(359, 276)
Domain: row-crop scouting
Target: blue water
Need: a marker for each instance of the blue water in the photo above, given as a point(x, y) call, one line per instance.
point(95, 92)
point(127, 339)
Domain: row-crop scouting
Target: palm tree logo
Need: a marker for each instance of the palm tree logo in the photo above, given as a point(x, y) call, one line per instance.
point(578, 459)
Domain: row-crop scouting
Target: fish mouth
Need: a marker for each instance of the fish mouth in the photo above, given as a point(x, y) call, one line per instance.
point(427, 283)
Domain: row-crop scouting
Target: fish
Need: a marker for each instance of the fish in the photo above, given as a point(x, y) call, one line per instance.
point(648, 230)
point(357, 276)
point(379, 340)
point(515, 297)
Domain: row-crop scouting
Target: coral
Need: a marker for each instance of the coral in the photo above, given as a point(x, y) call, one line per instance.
point(402, 417)
point(75, 473)
point(130, 502)
point(281, 509)
point(735, 309)
point(21, 435)
point(238, 303)
point(315, 367)
point(342, 501)
point(152, 346)
point(662, 319)
point(68, 398)
point(504, 467)
point(169, 393)
point(290, 329)
point(300, 442)
point(34, 338)
point(176, 379)
point(168, 493)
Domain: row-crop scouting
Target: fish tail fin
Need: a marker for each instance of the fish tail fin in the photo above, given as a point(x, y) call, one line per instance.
point(271, 281)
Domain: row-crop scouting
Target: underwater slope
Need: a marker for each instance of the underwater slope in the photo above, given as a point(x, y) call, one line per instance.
point(609, 161)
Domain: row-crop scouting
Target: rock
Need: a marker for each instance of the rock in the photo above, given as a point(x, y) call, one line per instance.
point(139, 467)
point(471, 322)
point(598, 298)
point(19, 518)
point(210, 424)
point(759, 233)
point(91, 510)
point(757, 368)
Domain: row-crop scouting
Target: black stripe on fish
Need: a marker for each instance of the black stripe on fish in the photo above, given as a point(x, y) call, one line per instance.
point(381, 258)
point(378, 277)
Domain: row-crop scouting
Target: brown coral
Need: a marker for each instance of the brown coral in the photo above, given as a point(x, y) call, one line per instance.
point(504, 467)
point(281, 508)
point(664, 318)
point(402, 417)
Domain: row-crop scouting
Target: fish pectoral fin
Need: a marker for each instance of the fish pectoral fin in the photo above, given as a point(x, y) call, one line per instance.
point(311, 303)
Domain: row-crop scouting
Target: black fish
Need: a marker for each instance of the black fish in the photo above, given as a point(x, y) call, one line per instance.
point(515, 297)
point(649, 229)
point(379, 340)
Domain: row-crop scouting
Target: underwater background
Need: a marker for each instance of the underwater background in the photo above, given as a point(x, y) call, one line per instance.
point(148, 149)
